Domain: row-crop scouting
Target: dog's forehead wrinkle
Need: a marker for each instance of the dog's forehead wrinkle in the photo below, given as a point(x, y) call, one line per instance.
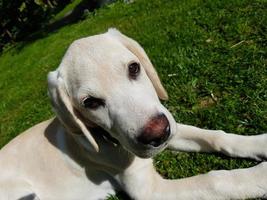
point(96, 56)
point(92, 91)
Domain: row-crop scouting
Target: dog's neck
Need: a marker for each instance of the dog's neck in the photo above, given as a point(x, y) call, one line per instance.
point(111, 154)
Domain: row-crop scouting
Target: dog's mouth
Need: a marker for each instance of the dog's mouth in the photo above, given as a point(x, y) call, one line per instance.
point(148, 151)
point(104, 134)
point(138, 148)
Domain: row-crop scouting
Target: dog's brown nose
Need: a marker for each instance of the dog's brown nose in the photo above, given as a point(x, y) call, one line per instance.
point(156, 131)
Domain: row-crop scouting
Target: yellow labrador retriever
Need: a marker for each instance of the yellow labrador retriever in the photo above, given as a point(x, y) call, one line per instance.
point(109, 123)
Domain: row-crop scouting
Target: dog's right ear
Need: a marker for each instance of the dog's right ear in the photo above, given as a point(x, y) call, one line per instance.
point(64, 109)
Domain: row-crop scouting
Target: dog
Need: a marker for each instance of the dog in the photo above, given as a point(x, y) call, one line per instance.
point(109, 123)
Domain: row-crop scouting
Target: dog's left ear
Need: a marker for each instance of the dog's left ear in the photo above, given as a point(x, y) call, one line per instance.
point(64, 109)
point(139, 52)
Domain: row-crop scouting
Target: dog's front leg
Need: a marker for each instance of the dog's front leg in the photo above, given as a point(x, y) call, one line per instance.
point(193, 139)
point(142, 182)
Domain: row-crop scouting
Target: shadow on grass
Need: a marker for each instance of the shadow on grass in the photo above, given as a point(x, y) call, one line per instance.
point(77, 13)
point(71, 17)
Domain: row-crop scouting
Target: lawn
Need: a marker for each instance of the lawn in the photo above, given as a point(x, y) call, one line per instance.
point(211, 56)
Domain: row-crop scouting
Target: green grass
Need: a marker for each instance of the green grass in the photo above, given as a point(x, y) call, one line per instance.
point(211, 56)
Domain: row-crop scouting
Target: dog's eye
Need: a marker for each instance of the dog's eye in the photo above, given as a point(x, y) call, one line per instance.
point(93, 103)
point(134, 70)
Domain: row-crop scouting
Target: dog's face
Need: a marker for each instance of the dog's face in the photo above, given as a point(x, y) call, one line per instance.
point(111, 85)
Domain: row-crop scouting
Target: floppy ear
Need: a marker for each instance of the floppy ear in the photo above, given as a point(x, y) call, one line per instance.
point(139, 52)
point(63, 108)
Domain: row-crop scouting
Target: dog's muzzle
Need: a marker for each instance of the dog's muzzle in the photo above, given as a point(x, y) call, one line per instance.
point(155, 132)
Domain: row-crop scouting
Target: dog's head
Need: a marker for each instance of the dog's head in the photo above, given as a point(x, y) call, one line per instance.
point(107, 80)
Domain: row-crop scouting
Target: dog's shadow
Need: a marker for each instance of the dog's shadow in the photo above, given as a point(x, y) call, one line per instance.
point(96, 179)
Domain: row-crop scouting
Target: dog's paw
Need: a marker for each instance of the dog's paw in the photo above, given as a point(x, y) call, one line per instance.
point(260, 146)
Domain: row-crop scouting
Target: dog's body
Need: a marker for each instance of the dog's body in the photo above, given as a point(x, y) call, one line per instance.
point(109, 123)
point(48, 168)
